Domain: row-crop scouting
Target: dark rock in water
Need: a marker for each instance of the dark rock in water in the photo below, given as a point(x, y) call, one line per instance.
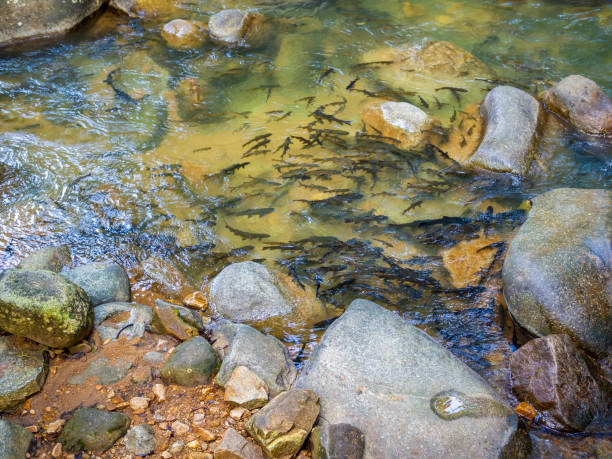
point(45, 307)
point(140, 440)
point(281, 427)
point(129, 320)
point(14, 440)
point(553, 376)
point(557, 275)
point(512, 119)
point(236, 27)
point(264, 355)
point(94, 430)
point(247, 291)
point(22, 373)
point(584, 104)
point(235, 446)
point(53, 258)
point(39, 18)
point(103, 282)
point(337, 441)
point(375, 371)
point(192, 363)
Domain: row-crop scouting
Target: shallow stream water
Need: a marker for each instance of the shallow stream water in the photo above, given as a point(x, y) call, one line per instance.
point(168, 172)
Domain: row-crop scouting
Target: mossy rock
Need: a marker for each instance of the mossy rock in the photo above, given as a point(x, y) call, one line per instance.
point(93, 430)
point(53, 258)
point(192, 363)
point(45, 307)
point(22, 373)
point(14, 440)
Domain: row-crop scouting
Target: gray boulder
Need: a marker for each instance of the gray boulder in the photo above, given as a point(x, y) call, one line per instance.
point(94, 430)
point(192, 363)
point(140, 440)
point(337, 441)
point(584, 104)
point(45, 307)
point(28, 372)
point(112, 318)
point(511, 117)
point(14, 440)
point(247, 291)
point(557, 275)
point(21, 20)
point(103, 282)
point(236, 27)
point(53, 258)
point(263, 354)
point(235, 446)
point(406, 393)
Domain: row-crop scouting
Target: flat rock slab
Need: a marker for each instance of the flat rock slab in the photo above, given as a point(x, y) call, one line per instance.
point(584, 104)
point(263, 354)
point(553, 376)
point(103, 371)
point(114, 320)
point(53, 258)
point(22, 373)
point(14, 440)
point(512, 119)
point(45, 307)
point(406, 393)
point(23, 19)
point(95, 430)
point(557, 275)
point(103, 282)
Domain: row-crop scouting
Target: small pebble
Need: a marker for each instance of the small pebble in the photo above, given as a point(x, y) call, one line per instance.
point(139, 404)
point(32, 428)
point(57, 450)
point(55, 426)
point(199, 419)
point(205, 434)
point(193, 444)
point(159, 390)
point(166, 455)
point(179, 428)
point(176, 447)
point(237, 413)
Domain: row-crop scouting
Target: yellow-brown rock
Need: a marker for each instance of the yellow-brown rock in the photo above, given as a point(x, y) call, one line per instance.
point(184, 34)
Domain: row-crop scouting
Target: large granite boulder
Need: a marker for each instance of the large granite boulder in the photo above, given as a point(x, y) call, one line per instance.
point(557, 275)
point(93, 430)
point(45, 307)
point(14, 440)
point(511, 117)
point(406, 393)
point(402, 121)
point(584, 104)
point(22, 373)
point(25, 19)
point(263, 354)
point(553, 376)
point(236, 27)
point(53, 258)
point(103, 282)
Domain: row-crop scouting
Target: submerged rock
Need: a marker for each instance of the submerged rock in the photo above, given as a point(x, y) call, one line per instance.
point(22, 373)
point(14, 440)
point(371, 368)
point(40, 18)
point(236, 27)
point(235, 446)
point(184, 34)
point(54, 258)
point(264, 355)
point(398, 120)
point(94, 430)
point(281, 427)
point(192, 363)
point(165, 278)
point(579, 100)
point(512, 119)
point(130, 319)
point(45, 307)
point(103, 282)
point(558, 270)
point(553, 376)
point(337, 441)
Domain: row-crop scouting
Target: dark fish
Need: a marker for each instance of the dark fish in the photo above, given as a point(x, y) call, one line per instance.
point(334, 200)
point(123, 95)
point(456, 91)
point(309, 100)
point(30, 126)
point(321, 117)
point(286, 115)
point(463, 141)
point(261, 212)
point(233, 168)
point(367, 64)
point(256, 139)
point(470, 130)
point(245, 234)
point(327, 72)
point(454, 116)
point(202, 149)
point(439, 104)
point(414, 205)
point(352, 84)
point(258, 145)
point(285, 146)
point(255, 152)
point(494, 245)
point(324, 323)
point(367, 219)
point(423, 102)
point(274, 112)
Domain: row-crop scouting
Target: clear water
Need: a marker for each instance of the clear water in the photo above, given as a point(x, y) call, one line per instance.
point(123, 179)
